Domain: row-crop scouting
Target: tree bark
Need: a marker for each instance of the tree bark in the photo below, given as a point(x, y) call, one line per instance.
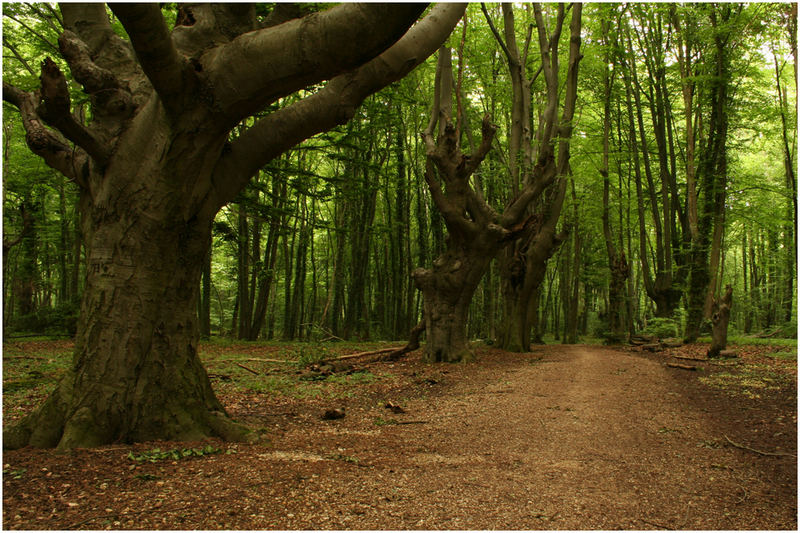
point(712, 177)
point(155, 165)
point(720, 316)
point(136, 373)
point(524, 263)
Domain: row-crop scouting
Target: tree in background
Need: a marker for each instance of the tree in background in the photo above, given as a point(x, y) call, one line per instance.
point(155, 163)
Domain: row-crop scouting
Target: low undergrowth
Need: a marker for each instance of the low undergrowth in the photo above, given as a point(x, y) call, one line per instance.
point(33, 367)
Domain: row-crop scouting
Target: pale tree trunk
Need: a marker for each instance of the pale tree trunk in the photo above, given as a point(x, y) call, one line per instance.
point(155, 165)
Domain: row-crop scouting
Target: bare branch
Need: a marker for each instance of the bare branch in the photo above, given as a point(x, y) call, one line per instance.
point(259, 67)
point(453, 216)
point(47, 16)
point(497, 36)
point(55, 109)
point(54, 14)
point(21, 59)
point(162, 64)
point(474, 160)
point(41, 37)
point(334, 104)
point(89, 21)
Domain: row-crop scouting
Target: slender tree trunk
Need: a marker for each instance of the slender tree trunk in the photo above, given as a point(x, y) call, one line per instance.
point(712, 175)
point(243, 274)
point(617, 262)
point(205, 298)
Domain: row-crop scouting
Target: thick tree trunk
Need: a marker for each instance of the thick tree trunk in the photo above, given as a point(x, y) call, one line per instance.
point(157, 161)
point(136, 374)
point(447, 291)
point(720, 317)
point(696, 295)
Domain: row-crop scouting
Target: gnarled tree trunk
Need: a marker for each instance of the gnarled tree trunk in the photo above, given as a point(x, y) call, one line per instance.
point(155, 165)
point(475, 231)
point(720, 316)
point(523, 266)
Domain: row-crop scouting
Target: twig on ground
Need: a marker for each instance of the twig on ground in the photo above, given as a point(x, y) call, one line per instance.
point(759, 452)
point(743, 498)
point(658, 525)
point(246, 368)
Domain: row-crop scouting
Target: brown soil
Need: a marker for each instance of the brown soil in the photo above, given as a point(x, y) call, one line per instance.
point(566, 437)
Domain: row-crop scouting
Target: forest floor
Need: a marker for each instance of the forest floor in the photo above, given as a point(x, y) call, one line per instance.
point(564, 437)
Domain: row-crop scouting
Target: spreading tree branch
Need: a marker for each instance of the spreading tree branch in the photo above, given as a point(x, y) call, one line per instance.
point(55, 109)
point(16, 53)
point(259, 67)
point(41, 37)
point(333, 105)
point(42, 141)
point(108, 94)
point(159, 59)
point(496, 33)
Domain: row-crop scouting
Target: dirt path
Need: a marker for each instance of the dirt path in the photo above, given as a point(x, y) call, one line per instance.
point(574, 437)
point(584, 438)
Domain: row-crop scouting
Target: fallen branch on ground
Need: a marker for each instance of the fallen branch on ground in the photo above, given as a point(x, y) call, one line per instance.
point(759, 452)
point(248, 369)
point(341, 363)
point(682, 367)
point(691, 358)
point(364, 354)
point(262, 360)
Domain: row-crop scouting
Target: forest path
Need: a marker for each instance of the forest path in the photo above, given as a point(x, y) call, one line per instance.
point(579, 437)
point(564, 437)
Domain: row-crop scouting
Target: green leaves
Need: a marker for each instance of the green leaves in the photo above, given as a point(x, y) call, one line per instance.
point(156, 454)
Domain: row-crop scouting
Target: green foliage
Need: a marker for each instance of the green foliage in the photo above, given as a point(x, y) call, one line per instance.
point(14, 473)
point(307, 354)
point(176, 454)
point(662, 328)
point(355, 203)
point(62, 319)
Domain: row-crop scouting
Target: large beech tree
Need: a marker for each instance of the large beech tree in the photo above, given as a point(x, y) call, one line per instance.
point(524, 263)
point(476, 232)
point(156, 162)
